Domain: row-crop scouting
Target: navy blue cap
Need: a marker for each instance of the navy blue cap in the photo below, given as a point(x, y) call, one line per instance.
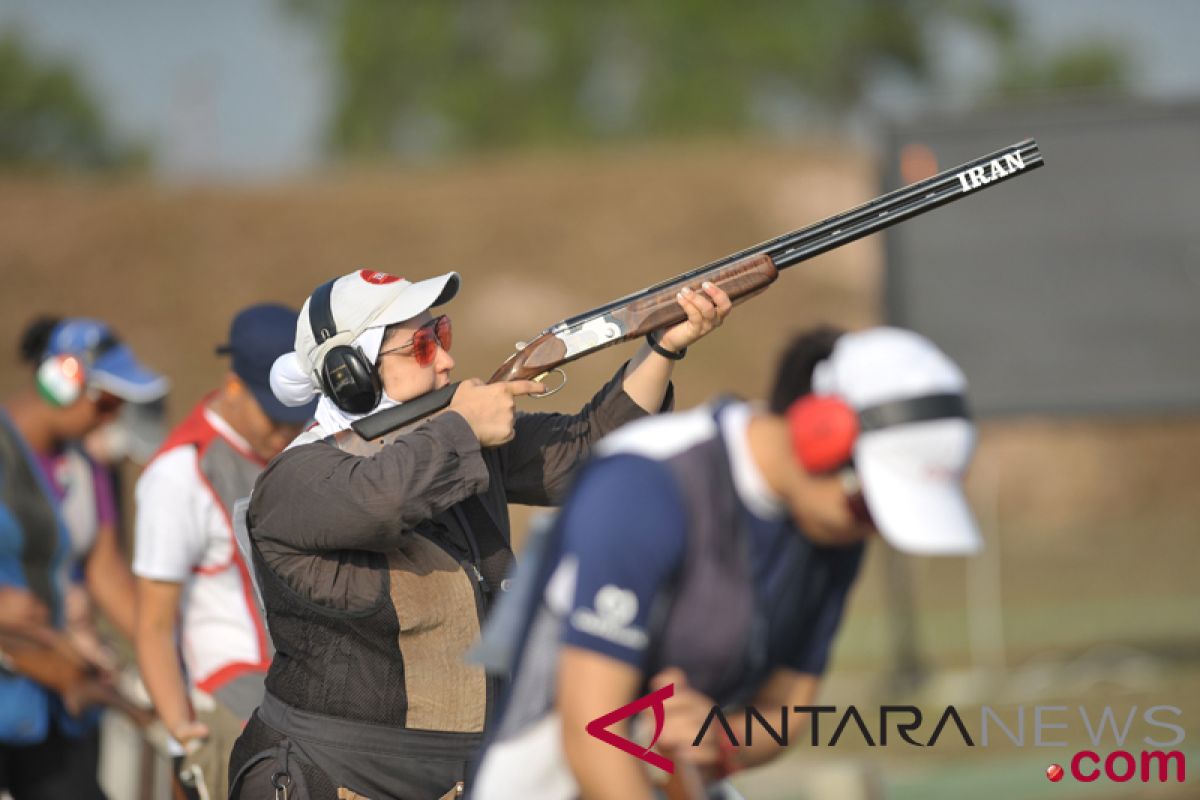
point(259, 335)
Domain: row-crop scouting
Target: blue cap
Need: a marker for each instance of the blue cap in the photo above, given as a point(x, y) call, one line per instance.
point(259, 335)
point(110, 364)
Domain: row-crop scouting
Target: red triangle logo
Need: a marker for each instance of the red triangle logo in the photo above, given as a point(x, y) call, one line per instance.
point(600, 725)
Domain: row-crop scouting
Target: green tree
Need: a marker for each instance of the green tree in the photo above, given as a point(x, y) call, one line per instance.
point(429, 74)
point(47, 117)
point(1099, 66)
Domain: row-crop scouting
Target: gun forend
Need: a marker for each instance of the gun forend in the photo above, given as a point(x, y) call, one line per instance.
point(640, 313)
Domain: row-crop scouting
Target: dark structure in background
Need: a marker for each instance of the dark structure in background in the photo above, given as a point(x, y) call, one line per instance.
point(1075, 290)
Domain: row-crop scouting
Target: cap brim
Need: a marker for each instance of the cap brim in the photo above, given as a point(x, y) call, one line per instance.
point(277, 411)
point(119, 373)
point(912, 481)
point(419, 297)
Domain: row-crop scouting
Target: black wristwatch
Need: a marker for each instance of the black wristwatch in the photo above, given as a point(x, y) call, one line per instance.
point(662, 351)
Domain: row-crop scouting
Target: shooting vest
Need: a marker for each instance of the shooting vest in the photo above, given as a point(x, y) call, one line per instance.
point(34, 544)
point(405, 742)
point(708, 618)
point(221, 591)
point(714, 620)
point(708, 623)
point(366, 674)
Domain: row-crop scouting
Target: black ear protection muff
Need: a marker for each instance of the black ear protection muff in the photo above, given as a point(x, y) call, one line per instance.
point(824, 428)
point(62, 378)
point(347, 376)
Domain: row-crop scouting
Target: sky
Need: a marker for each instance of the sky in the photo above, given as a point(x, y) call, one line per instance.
point(229, 88)
point(1161, 36)
point(237, 89)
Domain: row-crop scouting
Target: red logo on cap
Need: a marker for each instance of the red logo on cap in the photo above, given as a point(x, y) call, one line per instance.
point(378, 278)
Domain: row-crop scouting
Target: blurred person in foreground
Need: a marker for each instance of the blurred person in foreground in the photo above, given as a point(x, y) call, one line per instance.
point(194, 590)
point(376, 572)
point(713, 551)
point(57, 532)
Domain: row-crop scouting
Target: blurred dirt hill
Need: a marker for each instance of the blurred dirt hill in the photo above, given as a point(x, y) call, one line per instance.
point(539, 238)
point(535, 240)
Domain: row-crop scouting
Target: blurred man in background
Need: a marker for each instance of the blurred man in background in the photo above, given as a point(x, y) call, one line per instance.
point(191, 575)
point(714, 549)
point(57, 530)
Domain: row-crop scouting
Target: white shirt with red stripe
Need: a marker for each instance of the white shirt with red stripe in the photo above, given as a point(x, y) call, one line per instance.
point(185, 535)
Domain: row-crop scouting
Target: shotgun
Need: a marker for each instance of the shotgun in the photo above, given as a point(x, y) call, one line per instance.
point(742, 275)
point(79, 684)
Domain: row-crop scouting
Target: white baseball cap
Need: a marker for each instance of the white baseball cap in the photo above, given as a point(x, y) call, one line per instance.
point(367, 300)
point(911, 472)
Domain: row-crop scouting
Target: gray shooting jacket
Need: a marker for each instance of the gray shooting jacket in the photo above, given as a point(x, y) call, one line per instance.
point(376, 572)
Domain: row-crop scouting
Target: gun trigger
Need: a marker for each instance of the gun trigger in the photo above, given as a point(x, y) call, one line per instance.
point(550, 391)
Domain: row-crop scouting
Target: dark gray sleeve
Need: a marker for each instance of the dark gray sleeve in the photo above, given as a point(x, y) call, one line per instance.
point(538, 463)
point(316, 498)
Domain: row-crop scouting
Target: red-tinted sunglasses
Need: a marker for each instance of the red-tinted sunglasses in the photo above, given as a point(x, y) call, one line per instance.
point(425, 341)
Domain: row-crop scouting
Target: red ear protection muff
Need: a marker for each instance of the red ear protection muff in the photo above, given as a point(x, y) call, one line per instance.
point(824, 429)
